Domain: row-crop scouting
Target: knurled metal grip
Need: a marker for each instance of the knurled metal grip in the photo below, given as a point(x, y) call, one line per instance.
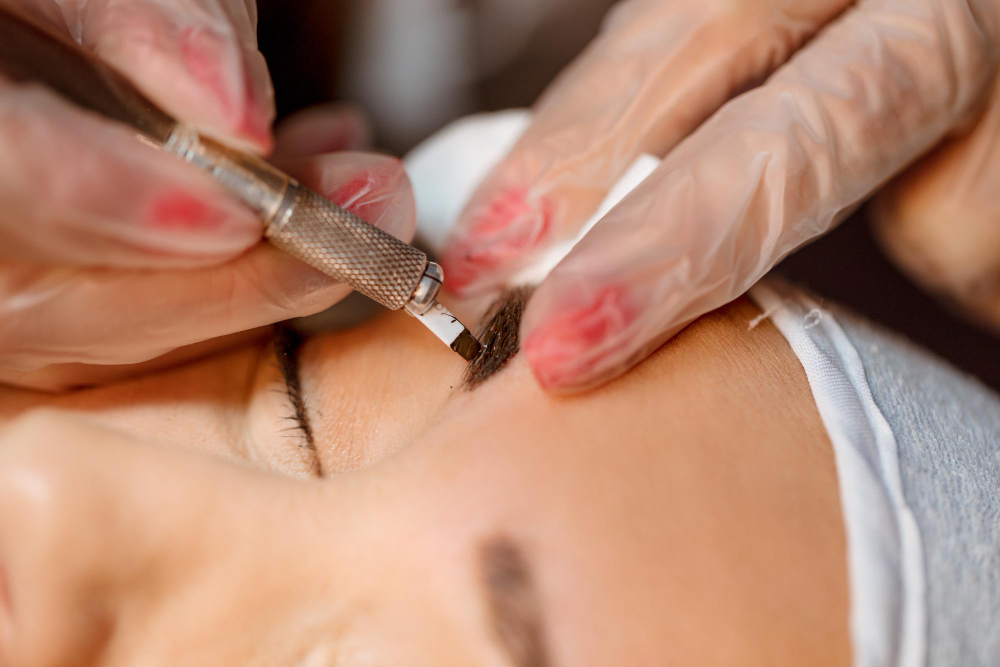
point(345, 247)
point(309, 227)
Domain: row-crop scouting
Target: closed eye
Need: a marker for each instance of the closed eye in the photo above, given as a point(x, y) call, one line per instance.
point(287, 343)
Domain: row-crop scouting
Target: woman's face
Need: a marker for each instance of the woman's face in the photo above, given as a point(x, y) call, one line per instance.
point(669, 517)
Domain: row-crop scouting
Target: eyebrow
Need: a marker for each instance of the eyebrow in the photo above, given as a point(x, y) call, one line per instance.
point(512, 603)
point(499, 334)
point(287, 342)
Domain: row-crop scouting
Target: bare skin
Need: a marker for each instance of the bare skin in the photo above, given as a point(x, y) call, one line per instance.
point(687, 513)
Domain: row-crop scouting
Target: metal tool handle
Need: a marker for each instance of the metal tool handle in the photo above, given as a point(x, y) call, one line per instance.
point(342, 245)
point(296, 220)
point(29, 52)
point(310, 227)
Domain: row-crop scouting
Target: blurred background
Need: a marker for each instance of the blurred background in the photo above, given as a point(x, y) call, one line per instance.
point(416, 65)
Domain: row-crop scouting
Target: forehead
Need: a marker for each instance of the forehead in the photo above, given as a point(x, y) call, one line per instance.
point(374, 388)
point(648, 516)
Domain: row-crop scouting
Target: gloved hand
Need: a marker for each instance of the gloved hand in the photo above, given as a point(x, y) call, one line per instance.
point(112, 252)
point(852, 93)
point(940, 220)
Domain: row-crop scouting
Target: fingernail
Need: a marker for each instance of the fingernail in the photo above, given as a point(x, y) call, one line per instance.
point(351, 195)
point(255, 122)
point(351, 133)
point(502, 231)
point(179, 222)
point(372, 196)
point(182, 210)
point(328, 128)
point(221, 68)
point(258, 109)
point(567, 348)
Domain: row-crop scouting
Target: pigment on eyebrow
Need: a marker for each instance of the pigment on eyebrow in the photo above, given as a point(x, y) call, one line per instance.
point(499, 335)
point(512, 602)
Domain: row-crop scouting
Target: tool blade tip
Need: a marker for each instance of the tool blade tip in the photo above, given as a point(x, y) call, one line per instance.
point(467, 346)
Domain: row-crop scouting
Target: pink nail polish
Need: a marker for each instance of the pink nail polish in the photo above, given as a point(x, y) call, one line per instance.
point(510, 226)
point(179, 210)
point(204, 52)
point(561, 351)
point(350, 194)
point(256, 120)
point(364, 194)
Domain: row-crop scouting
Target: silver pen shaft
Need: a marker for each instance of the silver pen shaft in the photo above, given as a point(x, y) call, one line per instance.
point(330, 238)
point(295, 219)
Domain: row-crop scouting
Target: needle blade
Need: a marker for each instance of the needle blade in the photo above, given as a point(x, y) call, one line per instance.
point(451, 331)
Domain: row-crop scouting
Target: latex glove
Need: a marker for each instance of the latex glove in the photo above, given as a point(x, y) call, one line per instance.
point(855, 93)
point(197, 59)
point(940, 220)
point(112, 252)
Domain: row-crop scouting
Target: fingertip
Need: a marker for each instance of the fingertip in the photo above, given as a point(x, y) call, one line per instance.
point(197, 71)
point(324, 128)
point(497, 235)
point(177, 208)
point(460, 276)
point(239, 98)
point(374, 187)
point(279, 286)
point(87, 193)
point(572, 340)
point(186, 221)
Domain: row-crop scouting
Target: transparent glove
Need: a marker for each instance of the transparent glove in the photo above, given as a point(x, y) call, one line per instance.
point(197, 59)
point(940, 220)
point(851, 95)
point(112, 252)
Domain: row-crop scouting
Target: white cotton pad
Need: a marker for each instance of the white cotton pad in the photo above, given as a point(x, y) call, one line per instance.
point(446, 169)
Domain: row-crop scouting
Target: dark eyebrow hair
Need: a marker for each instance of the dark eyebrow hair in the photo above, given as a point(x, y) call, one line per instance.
point(287, 342)
point(512, 603)
point(499, 335)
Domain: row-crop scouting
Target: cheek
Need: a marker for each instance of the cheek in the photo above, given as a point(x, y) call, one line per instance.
point(54, 607)
point(200, 407)
point(111, 542)
point(190, 426)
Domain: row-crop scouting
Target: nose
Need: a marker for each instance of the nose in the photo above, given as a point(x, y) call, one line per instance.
point(113, 549)
point(53, 510)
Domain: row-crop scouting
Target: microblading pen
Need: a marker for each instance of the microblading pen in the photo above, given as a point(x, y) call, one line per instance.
point(296, 219)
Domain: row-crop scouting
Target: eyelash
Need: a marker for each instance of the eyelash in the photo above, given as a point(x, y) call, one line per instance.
point(287, 343)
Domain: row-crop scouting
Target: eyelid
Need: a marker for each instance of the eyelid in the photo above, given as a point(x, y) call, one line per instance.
point(287, 343)
point(285, 346)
